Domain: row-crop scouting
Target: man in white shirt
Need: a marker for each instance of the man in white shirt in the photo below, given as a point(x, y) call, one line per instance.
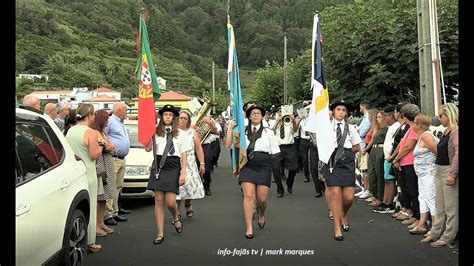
point(304, 146)
point(209, 153)
point(284, 134)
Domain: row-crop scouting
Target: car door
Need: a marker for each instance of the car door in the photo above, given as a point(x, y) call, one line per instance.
point(23, 219)
point(47, 189)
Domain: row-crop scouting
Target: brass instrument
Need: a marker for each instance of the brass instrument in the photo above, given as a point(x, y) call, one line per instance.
point(286, 111)
point(202, 128)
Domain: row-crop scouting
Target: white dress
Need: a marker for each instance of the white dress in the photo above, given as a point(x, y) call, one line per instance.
point(193, 187)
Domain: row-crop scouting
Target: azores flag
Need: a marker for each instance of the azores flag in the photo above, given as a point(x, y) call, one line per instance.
point(318, 118)
point(239, 154)
point(149, 90)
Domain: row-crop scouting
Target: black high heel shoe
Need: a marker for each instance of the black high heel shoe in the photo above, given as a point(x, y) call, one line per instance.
point(248, 236)
point(345, 227)
point(262, 225)
point(178, 229)
point(339, 238)
point(158, 240)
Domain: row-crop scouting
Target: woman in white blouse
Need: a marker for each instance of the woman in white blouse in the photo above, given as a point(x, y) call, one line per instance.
point(339, 173)
point(173, 172)
point(255, 176)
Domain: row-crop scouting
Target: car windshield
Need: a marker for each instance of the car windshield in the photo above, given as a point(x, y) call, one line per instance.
point(133, 135)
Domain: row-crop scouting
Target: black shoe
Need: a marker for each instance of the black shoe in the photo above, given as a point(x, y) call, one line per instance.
point(208, 193)
point(318, 195)
point(339, 238)
point(119, 218)
point(290, 190)
point(262, 225)
point(249, 236)
point(110, 221)
point(123, 211)
point(345, 227)
point(178, 229)
point(158, 240)
point(306, 180)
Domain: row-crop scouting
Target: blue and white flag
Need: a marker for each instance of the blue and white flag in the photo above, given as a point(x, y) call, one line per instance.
point(239, 147)
point(318, 118)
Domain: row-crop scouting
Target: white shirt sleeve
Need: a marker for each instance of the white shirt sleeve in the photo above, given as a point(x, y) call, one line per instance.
point(185, 142)
point(275, 148)
point(355, 138)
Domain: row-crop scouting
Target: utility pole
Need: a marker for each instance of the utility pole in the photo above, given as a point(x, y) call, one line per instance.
point(285, 78)
point(429, 57)
point(213, 89)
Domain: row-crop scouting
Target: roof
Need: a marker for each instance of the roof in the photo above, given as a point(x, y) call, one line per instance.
point(174, 96)
point(104, 89)
point(101, 98)
point(51, 92)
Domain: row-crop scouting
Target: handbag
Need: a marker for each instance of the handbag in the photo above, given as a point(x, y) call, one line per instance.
point(103, 175)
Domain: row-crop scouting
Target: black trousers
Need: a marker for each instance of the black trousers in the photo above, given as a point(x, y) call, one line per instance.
point(411, 179)
point(313, 165)
point(290, 161)
point(403, 196)
point(303, 152)
point(209, 161)
point(298, 153)
point(276, 170)
point(216, 149)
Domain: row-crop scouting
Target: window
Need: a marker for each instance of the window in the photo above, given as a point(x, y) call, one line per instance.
point(132, 131)
point(38, 150)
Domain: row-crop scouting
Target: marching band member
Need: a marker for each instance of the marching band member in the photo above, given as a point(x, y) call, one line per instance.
point(339, 173)
point(172, 145)
point(304, 147)
point(255, 176)
point(209, 153)
point(284, 135)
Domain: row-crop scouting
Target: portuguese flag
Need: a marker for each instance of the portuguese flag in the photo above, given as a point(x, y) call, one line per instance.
point(149, 91)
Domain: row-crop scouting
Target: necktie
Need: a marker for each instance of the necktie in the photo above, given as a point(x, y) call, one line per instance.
point(169, 135)
point(282, 132)
point(339, 133)
point(254, 130)
point(339, 139)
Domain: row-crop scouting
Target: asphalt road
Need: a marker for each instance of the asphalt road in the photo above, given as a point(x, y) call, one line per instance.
point(297, 232)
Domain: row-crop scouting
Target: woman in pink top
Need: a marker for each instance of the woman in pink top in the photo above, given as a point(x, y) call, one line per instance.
point(404, 161)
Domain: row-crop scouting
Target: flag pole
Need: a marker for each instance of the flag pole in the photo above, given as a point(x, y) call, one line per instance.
point(142, 14)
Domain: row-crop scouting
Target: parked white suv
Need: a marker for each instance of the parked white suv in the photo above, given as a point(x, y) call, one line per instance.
point(137, 166)
point(52, 199)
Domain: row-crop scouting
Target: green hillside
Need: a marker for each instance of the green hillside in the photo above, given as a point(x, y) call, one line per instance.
point(92, 43)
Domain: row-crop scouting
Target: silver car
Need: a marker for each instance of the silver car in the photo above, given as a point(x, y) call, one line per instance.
point(137, 166)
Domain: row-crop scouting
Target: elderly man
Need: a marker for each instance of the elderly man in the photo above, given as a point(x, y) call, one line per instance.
point(119, 137)
point(62, 109)
point(32, 101)
point(50, 110)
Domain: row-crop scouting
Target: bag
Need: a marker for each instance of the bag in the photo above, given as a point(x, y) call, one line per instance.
point(363, 162)
point(103, 175)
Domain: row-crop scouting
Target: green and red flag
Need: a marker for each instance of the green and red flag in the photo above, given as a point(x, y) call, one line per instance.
point(149, 90)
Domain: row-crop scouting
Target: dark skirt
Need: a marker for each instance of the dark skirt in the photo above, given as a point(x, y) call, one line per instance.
point(258, 170)
point(168, 177)
point(343, 173)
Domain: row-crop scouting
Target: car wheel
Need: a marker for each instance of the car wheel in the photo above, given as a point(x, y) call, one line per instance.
point(75, 239)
